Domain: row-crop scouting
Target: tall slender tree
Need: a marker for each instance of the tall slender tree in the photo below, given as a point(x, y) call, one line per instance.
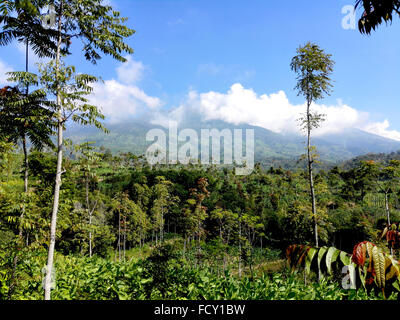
point(313, 68)
point(384, 178)
point(162, 205)
point(88, 160)
point(127, 212)
point(101, 30)
point(72, 90)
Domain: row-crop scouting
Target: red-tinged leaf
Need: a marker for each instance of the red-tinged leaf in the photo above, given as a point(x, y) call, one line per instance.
point(393, 239)
point(296, 254)
point(359, 253)
point(303, 255)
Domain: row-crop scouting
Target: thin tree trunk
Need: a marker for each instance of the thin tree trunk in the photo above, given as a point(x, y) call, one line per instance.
point(184, 246)
point(225, 258)
point(89, 214)
point(310, 173)
point(125, 237)
point(387, 208)
point(50, 258)
point(26, 164)
point(240, 249)
point(26, 167)
point(90, 236)
point(161, 226)
point(311, 179)
point(198, 244)
point(388, 215)
point(54, 214)
point(119, 236)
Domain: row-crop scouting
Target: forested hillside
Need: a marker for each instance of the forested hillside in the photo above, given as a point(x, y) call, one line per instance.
point(89, 212)
point(271, 148)
point(121, 220)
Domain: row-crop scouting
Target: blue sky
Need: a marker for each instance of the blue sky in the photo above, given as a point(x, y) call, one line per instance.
point(189, 53)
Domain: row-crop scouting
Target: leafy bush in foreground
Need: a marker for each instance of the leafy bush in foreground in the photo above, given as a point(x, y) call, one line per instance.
point(98, 279)
point(375, 269)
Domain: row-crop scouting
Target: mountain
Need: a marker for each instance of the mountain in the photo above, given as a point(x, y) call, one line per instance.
point(271, 149)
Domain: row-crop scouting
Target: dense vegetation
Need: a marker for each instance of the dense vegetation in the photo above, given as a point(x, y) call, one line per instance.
point(77, 222)
point(127, 230)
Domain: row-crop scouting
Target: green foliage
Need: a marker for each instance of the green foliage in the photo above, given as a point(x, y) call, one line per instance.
point(73, 89)
point(99, 279)
point(374, 267)
point(375, 13)
point(263, 212)
point(25, 115)
point(179, 232)
point(313, 67)
point(4, 276)
point(21, 21)
point(100, 28)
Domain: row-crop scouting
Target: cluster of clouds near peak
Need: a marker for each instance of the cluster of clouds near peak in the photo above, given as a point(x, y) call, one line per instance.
point(273, 112)
point(122, 98)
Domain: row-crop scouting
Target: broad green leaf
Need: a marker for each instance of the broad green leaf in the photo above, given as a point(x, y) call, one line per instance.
point(362, 271)
point(396, 285)
point(345, 258)
point(310, 255)
point(331, 257)
point(321, 253)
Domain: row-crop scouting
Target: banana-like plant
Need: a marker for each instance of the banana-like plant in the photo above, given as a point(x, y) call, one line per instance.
point(376, 269)
point(392, 235)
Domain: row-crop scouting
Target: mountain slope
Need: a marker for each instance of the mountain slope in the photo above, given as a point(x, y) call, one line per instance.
point(270, 147)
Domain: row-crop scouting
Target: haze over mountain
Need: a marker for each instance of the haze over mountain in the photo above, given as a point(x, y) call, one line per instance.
point(271, 148)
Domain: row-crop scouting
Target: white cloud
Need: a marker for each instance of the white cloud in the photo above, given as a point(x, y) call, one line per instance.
point(120, 101)
point(130, 71)
point(4, 68)
point(382, 129)
point(163, 119)
point(273, 112)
